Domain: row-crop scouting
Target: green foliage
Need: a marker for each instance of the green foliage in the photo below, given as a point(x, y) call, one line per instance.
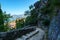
point(1, 21)
point(4, 18)
point(1, 17)
point(27, 21)
point(57, 3)
point(19, 23)
point(48, 9)
point(27, 12)
point(46, 22)
point(32, 19)
point(30, 7)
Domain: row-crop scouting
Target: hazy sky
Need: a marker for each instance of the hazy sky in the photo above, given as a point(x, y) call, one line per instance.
point(16, 6)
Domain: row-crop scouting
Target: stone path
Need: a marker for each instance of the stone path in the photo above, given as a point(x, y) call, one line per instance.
point(35, 35)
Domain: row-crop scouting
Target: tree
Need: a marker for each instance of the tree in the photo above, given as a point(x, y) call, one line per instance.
point(1, 20)
point(27, 12)
point(31, 7)
point(31, 19)
point(6, 20)
point(20, 23)
point(43, 11)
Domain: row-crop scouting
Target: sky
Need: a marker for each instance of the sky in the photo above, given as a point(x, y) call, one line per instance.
point(16, 7)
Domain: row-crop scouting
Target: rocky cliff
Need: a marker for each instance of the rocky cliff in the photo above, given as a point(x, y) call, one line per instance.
point(54, 30)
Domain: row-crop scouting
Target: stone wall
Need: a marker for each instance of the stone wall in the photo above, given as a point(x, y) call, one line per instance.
point(12, 35)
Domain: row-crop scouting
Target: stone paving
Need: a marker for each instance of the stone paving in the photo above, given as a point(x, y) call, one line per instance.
point(35, 35)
